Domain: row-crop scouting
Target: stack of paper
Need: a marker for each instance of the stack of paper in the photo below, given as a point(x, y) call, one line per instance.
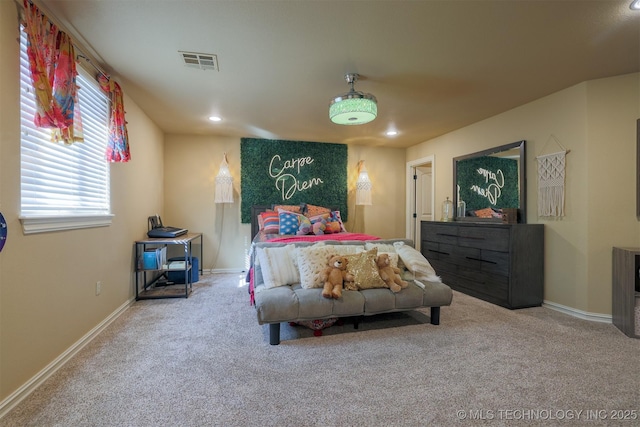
point(177, 265)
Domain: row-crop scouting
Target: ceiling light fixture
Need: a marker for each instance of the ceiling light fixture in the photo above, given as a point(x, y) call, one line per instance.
point(635, 5)
point(353, 108)
point(215, 119)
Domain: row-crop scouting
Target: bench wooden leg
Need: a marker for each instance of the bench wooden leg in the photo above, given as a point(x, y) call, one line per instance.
point(435, 315)
point(357, 321)
point(274, 333)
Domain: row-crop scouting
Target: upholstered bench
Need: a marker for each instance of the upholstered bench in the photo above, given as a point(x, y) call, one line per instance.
point(279, 298)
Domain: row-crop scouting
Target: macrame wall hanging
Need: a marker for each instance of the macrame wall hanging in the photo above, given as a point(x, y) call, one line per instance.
point(551, 178)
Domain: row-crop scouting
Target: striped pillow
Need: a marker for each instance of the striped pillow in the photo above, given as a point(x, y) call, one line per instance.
point(271, 222)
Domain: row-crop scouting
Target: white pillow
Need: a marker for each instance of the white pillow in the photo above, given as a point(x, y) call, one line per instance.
point(343, 250)
point(278, 266)
point(416, 262)
point(311, 261)
point(382, 247)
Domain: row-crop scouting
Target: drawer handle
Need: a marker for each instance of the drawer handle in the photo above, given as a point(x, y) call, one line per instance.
point(446, 235)
point(482, 260)
point(439, 252)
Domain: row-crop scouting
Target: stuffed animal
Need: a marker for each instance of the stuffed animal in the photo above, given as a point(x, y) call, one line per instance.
point(389, 273)
point(319, 226)
point(334, 275)
point(305, 226)
point(332, 227)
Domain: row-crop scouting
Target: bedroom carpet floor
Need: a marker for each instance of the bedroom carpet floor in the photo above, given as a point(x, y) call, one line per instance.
point(204, 361)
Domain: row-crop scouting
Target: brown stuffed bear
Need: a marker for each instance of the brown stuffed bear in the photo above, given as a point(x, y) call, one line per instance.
point(334, 275)
point(390, 274)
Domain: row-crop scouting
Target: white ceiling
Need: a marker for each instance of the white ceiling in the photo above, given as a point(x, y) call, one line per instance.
point(434, 66)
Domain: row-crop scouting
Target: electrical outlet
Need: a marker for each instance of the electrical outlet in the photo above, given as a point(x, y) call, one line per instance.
point(98, 287)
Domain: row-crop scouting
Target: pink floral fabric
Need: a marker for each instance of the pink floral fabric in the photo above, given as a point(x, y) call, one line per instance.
point(118, 145)
point(53, 74)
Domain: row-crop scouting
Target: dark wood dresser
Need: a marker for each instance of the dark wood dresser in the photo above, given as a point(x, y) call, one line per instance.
point(499, 263)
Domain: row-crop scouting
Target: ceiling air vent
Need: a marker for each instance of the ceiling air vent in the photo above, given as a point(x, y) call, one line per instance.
point(203, 61)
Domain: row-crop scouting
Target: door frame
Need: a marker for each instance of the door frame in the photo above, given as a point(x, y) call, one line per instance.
point(410, 197)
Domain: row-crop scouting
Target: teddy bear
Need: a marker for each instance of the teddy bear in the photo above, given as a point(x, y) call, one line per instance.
point(389, 273)
point(334, 275)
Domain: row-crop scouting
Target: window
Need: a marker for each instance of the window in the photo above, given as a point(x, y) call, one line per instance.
point(64, 187)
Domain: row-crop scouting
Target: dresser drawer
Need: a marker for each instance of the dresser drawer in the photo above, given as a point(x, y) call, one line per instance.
point(491, 238)
point(487, 261)
point(480, 285)
point(443, 267)
point(440, 233)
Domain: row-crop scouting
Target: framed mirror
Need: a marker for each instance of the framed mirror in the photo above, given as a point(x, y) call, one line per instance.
point(488, 183)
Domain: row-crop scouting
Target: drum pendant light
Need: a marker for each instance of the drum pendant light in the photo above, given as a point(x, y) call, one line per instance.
point(353, 107)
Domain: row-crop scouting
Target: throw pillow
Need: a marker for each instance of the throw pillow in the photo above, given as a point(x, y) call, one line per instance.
point(342, 250)
point(312, 210)
point(312, 260)
point(270, 222)
point(382, 247)
point(289, 223)
point(416, 262)
point(389, 249)
point(278, 266)
point(289, 208)
point(365, 271)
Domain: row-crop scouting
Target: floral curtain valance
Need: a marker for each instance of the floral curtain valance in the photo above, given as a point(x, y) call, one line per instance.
point(53, 74)
point(118, 145)
point(52, 63)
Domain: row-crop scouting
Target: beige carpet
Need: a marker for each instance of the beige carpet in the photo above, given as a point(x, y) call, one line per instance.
point(204, 361)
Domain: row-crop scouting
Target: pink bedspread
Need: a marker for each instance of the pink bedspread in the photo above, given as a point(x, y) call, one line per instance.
point(314, 238)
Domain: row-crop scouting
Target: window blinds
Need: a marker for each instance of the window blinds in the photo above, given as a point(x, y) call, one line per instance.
point(59, 180)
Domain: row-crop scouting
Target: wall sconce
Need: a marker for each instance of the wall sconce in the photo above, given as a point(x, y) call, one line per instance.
point(224, 183)
point(363, 185)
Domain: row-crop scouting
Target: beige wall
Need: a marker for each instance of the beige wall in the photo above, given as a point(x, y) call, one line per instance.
point(596, 120)
point(192, 162)
point(386, 215)
point(47, 281)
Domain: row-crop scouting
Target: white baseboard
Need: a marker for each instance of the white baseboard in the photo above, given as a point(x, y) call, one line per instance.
point(594, 317)
point(26, 389)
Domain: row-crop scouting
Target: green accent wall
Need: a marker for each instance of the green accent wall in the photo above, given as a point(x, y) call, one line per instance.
point(292, 172)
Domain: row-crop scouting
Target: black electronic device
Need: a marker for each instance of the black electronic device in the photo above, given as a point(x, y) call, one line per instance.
point(157, 229)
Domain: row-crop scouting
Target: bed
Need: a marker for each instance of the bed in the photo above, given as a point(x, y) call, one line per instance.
point(261, 233)
point(285, 280)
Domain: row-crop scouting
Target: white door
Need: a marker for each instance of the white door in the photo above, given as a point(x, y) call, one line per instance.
point(420, 204)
